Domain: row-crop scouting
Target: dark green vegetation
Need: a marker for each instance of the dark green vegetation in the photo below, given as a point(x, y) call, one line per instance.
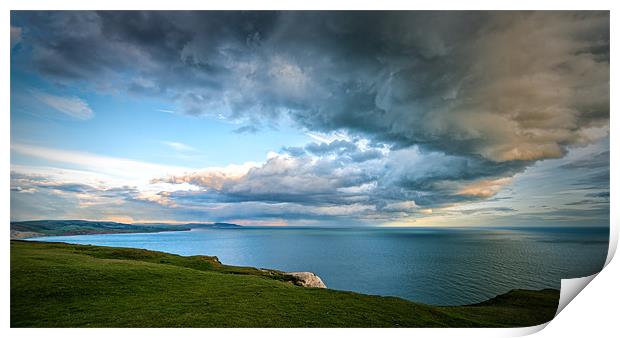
point(79, 227)
point(62, 285)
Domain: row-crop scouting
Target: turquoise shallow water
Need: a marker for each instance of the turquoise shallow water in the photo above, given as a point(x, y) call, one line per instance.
point(434, 266)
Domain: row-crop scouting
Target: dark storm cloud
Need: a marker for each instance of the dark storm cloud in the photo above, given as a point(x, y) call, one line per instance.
point(502, 85)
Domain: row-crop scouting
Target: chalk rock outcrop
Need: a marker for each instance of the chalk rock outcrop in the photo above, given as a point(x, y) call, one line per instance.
point(308, 279)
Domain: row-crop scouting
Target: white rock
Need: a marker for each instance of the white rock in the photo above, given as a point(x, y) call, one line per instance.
point(308, 279)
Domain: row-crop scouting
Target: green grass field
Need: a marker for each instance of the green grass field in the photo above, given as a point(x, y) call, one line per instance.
point(62, 285)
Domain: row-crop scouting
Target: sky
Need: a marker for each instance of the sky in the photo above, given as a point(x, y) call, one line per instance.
point(311, 118)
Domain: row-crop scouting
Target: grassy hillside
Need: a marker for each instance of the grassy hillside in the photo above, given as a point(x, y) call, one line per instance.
point(61, 285)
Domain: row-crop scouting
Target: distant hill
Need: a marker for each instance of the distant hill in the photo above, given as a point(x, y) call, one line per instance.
point(42, 228)
point(217, 225)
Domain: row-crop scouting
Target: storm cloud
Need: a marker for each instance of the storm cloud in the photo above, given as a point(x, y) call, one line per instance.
point(501, 85)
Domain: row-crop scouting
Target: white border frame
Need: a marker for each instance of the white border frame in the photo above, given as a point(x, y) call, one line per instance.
point(592, 313)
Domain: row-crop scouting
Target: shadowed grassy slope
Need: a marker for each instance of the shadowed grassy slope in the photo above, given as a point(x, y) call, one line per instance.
point(62, 285)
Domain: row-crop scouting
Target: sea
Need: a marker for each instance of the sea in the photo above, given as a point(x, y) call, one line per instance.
point(440, 266)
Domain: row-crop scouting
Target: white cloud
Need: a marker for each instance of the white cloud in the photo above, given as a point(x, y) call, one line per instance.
point(402, 206)
point(178, 146)
point(72, 106)
point(107, 172)
point(117, 170)
point(329, 137)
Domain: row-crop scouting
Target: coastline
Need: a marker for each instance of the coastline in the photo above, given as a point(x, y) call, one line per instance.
point(143, 283)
